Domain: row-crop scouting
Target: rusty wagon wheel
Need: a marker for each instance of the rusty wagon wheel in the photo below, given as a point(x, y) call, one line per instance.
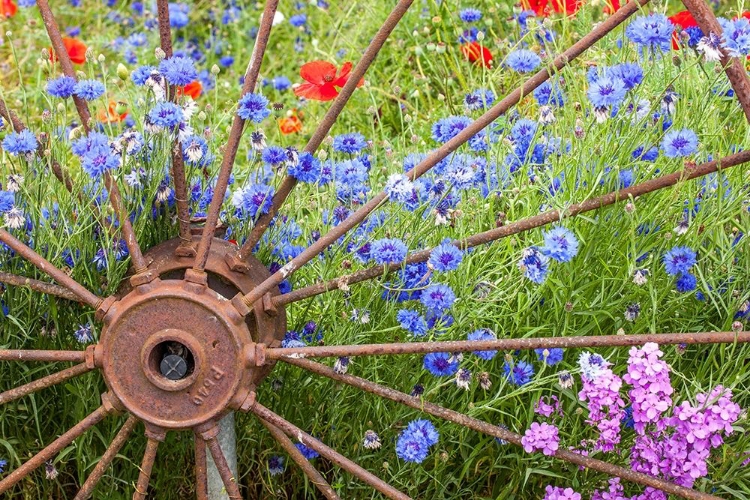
point(198, 326)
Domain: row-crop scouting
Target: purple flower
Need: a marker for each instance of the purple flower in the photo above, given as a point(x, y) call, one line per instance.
point(558, 493)
point(605, 407)
point(541, 437)
point(650, 395)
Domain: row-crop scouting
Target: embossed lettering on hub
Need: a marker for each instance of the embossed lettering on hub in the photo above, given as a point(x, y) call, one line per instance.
point(214, 375)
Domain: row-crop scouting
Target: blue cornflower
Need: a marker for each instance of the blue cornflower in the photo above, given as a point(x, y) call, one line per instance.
point(470, 15)
point(3, 462)
point(479, 99)
point(550, 356)
point(483, 334)
point(99, 161)
point(274, 155)
point(736, 36)
point(523, 60)
point(253, 107)
point(518, 372)
point(445, 257)
point(627, 418)
point(166, 114)
point(306, 451)
point(678, 143)
point(679, 260)
point(651, 32)
point(412, 322)
point(91, 143)
point(226, 61)
point(178, 15)
point(7, 200)
point(253, 199)
point(89, 89)
point(307, 168)
point(84, 334)
point(411, 448)
point(686, 283)
point(281, 83)
point(276, 465)
point(62, 87)
point(534, 264)
point(399, 188)
point(349, 143)
point(606, 92)
point(178, 70)
point(631, 74)
point(641, 153)
point(141, 74)
point(23, 142)
point(549, 94)
point(298, 20)
point(424, 429)
point(388, 251)
point(437, 298)
point(440, 364)
point(446, 129)
point(560, 244)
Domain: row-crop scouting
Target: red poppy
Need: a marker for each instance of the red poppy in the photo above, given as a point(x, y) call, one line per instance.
point(543, 8)
point(746, 15)
point(683, 20)
point(8, 8)
point(477, 53)
point(193, 89)
point(76, 50)
point(290, 125)
point(322, 80)
point(114, 113)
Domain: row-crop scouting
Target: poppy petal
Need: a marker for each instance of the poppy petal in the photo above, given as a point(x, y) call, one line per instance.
point(316, 92)
point(318, 72)
point(8, 8)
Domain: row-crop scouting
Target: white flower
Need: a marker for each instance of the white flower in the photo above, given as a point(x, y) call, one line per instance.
point(710, 47)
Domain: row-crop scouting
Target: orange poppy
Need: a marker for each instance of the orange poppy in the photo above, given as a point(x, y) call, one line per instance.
point(76, 50)
point(193, 89)
point(290, 125)
point(115, 113)
point(8, 8)
point(322, 80)
point(683, 19)
point(477, 53)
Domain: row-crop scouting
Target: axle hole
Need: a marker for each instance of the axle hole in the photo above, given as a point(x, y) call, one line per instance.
point(172, 360)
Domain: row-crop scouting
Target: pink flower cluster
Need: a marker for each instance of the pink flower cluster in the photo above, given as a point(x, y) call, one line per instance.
point(650, 395)
point(605, 406)
point(557, 493)
point(548, 406)
point(541, 437)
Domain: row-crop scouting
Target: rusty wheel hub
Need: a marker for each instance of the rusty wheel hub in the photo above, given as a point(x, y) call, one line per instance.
point(178, 354)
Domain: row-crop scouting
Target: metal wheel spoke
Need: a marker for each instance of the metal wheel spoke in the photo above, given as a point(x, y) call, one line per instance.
point(49, 380)
point(292, 430)
point(311, 472)
point(53, 449)
point(439, 154)
point(328, 121)
point(115, 198)
point(39, 355)
point(101, 467)
point(498, 432)
point(733, 66)
point(38, 286)
point(201, 469)
point(235, 134)
point(147, 465)
point(178, 164)
point(507, 344)
point(535, 221)
point(53, 272)
point(230, 482)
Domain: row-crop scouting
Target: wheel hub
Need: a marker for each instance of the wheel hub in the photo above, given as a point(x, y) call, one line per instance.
point(175, 353)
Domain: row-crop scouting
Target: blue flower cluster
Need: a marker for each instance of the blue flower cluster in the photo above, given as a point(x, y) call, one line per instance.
point(560, 244)
point(677, 262)
point(736, 39)
point(652, 32)
point(415, 441)
point(96, 154)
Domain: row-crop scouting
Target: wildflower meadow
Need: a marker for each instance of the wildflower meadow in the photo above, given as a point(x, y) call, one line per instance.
point(495, 241)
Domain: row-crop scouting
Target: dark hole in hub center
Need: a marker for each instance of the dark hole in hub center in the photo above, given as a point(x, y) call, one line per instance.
point(175, 360)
